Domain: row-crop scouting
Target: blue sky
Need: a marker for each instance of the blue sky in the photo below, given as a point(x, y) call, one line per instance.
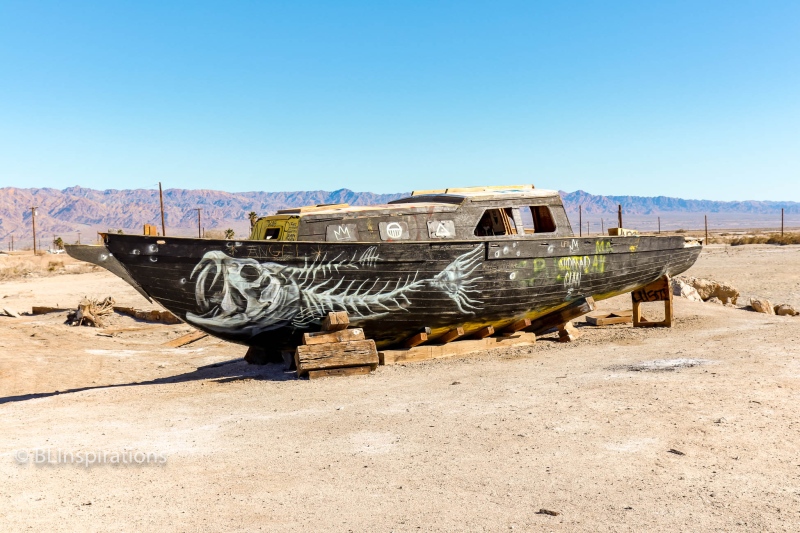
point(697, 99)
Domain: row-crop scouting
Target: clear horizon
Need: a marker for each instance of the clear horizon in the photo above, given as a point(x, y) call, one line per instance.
point(682, 100)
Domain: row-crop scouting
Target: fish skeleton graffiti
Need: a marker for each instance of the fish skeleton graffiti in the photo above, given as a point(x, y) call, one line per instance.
point(245, 296)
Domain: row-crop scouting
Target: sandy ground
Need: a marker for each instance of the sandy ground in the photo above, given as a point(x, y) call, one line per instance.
point(480, 443)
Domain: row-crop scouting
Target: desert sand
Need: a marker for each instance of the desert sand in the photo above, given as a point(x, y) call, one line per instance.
point(480, 443)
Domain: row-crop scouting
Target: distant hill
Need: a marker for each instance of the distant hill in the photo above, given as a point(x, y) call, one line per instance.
point(66, 212)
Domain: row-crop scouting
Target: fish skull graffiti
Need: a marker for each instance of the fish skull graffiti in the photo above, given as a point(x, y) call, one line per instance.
point(247, 297)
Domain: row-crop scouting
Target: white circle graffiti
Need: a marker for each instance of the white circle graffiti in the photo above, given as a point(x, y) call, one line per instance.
point(394, 230)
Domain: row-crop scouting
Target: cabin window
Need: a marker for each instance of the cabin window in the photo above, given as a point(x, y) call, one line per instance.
point(537, 219)
point(496, 222)
point(272, 233)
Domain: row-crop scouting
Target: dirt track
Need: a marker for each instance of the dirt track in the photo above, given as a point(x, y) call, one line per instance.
point(480, 443)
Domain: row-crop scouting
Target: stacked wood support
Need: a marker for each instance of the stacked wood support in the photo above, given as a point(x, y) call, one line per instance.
point(658, 291)
point(451, 335)
point(569, 312)
point(418, 338)
point(336, 350)
point(517, 325)
point(567, 332)
point(486, 331)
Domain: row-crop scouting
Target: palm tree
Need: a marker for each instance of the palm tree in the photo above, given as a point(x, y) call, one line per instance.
point(253, 216)
point(229, 233)
point(58, 243)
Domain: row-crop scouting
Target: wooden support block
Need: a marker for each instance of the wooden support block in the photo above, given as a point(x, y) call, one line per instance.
point(518, 325)
point(451, 335)
point(416, 340)
point(569, 312)
point(186, 339)
point(44, 309)
point(324, 337)
point(10, 312)
point(658, 291)
point(336, 321)
point(348, 371)
point(335, 355)
point(483, 332)
point(607, 319)
point(567, 332)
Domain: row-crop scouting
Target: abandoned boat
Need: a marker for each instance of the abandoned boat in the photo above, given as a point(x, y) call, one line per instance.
point(440, 259)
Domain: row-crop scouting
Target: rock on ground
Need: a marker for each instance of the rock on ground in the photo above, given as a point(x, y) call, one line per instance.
point(762, 305)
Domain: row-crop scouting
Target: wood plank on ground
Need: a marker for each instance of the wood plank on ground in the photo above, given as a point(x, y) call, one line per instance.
point(347, 371)
point(335, 355)
point(457, 348)
point(613, 317)
point(44, 309)
point(186, 339)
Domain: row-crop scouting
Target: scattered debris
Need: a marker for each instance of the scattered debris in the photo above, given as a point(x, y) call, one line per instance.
point(548, 512)
point(10, 312)
point(661, 365)
point(676, 452)
point(456, 383)
point(91, 312)
point(762, 305)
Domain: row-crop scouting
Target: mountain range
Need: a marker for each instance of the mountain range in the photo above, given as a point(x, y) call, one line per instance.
point(78, 212)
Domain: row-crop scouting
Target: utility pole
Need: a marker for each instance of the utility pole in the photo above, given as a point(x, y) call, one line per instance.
point(580, 221)
point(12, 243)
point(587, 229)
point(199, 234)
point(33, 224)
point(659, 225)
point(79, 237)
point(619, 215)
point(781, 222)
point(706, 217)
point(161, 199)
point(602, 227)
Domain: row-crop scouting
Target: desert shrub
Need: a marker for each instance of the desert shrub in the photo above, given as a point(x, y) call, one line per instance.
point(680, 230)
point(52, 266)
point(776, 238)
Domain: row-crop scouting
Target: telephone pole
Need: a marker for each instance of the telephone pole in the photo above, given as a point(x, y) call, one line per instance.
point(161, 199)
point(33, 224)
point(199, 234)
point(580, 220)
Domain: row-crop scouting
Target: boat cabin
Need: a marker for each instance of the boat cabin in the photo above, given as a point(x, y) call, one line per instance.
point(463, 214)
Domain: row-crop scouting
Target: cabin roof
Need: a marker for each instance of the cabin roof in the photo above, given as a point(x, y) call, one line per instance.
point(437, 199)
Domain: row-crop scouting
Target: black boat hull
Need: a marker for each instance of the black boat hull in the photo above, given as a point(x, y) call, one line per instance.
point(266, 294)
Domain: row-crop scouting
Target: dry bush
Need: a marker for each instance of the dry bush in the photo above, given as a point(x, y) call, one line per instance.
point(775, 238)
point(26, 266)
